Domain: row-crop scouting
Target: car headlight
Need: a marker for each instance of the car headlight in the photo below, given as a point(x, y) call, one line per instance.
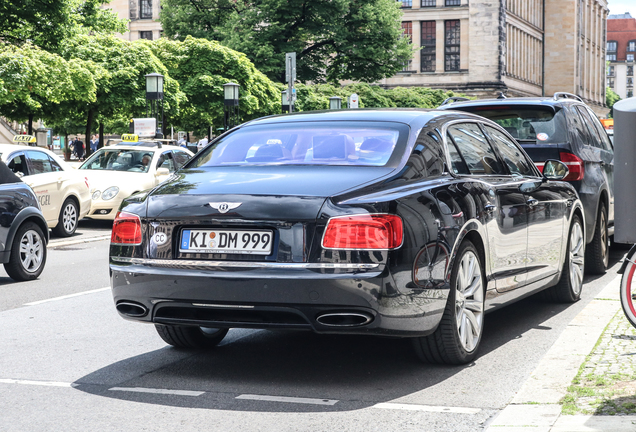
point(96, 195)
point(110, 193)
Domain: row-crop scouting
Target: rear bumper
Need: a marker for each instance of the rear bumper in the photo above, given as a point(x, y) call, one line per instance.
point(274, 295)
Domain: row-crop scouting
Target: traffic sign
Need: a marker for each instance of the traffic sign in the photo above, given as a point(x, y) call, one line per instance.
point(354, 100)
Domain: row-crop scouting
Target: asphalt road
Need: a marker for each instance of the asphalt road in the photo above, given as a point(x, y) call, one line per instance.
point(69, 362)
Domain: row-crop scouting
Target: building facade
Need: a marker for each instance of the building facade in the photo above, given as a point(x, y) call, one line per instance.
point(143, 16)
point(518, 47)
point(621, 50)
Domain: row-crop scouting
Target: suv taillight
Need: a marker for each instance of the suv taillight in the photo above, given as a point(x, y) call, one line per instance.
point(574, 164)
point(377, 231)
point(126, 229)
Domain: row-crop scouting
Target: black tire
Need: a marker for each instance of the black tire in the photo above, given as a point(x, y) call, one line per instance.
point(569, 287)
point(191, 337)
point(68, 219)
point(28, 263)
point(445, 345)
point(597, 253)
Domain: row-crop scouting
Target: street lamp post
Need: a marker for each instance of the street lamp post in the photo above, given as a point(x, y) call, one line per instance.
point(154, 98)
point(231, 96)
point(335, 103)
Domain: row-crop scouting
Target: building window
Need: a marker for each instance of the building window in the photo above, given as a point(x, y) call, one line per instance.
point(145, 9)
point(407, 3)
point(407, 32)
point(145, 35)
point(452, 2)
point(428, 3)
point(610, 82)
point(611, 51)
point(630, 81)
point(428, 46)
point(610, 71)
point(630, 70)
point(631, 46)
point(451, 45)
point(630, 57)
point(630, 93)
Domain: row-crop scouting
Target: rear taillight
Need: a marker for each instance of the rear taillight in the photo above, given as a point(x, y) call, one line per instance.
point(126, 229)
point(377, 231)
point(574, 164)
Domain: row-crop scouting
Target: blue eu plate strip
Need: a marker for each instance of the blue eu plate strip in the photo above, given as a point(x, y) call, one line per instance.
point(185, 239)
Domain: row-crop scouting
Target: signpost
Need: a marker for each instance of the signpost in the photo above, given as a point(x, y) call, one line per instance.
point(354, 101)
point(290, 77)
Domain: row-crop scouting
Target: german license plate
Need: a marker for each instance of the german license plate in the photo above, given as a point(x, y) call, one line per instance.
point(253, 242)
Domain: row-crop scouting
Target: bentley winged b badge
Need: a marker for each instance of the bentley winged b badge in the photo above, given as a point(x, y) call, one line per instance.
point(224, 207)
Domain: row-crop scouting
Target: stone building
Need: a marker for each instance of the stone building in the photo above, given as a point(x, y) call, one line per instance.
point(143, 15)
point(518, 47)
point(621, 50)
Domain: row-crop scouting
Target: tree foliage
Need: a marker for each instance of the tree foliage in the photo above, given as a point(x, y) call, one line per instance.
point(611, 97)
point(47, 23)
point(333, 39)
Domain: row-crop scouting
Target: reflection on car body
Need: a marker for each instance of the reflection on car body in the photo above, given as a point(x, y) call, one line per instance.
point(406, 223)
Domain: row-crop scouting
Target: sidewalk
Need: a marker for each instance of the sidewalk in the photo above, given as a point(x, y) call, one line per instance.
point(586, 381)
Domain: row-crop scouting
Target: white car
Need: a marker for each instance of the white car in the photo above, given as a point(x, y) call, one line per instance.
point(118, 171)
point(63, 192)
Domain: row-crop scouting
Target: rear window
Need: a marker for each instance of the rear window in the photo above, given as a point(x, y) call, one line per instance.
point(527, 124)
point(305, 143)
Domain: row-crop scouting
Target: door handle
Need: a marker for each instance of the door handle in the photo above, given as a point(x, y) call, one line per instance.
point(532, 202)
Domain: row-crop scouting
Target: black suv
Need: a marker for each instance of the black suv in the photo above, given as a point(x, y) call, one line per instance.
point(564, 128)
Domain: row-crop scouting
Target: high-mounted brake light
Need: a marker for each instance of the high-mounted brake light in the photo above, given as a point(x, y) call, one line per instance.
point(126, 229)
point(375, 231)
point(574, 164)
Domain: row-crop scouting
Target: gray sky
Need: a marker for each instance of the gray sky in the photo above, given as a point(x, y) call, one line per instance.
point(622, 6)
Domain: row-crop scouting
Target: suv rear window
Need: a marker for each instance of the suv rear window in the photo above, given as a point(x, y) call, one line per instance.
point(527, 123)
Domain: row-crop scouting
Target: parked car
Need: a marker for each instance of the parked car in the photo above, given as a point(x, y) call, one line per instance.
point(23, 229)
point(407, 223)
point(121, 170)
point(63, 193)
point(564, 128)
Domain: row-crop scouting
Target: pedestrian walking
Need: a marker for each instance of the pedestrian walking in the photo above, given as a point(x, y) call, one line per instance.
point(94, 143)
point(79, 149)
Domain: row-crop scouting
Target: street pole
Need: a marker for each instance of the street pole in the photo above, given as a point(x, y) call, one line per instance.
point(290, 75)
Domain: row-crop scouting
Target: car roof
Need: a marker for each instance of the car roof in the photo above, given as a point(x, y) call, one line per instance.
point(145, 149)
point(516, 101)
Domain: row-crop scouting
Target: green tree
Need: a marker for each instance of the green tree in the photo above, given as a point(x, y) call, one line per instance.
point(47, 23)
point(333, 39)
point(610, 99)
point(202, 67)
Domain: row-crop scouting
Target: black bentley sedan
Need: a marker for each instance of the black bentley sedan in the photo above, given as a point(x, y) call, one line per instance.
point(403, 222)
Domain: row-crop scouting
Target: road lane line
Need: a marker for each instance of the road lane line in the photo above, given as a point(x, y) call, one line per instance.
point(66, 296)
point(54, 244)
point(36, 383)
point(428, 408)
point(158, 391)
point(288, 399)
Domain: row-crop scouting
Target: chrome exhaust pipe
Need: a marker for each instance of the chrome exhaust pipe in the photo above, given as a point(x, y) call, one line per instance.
point(344, 319)
point(131, 309)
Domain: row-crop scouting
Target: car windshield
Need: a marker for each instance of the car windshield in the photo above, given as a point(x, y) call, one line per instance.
point(119, 160)
point(524, 123)
point(300, 143)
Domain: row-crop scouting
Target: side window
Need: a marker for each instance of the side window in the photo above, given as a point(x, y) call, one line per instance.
point(40, 162)
point(576, 126)
point(54, 165)
point(180, 158)
point(591, 130)
point(458, 165)
point(18, 164)
point(166, 161)
point(475, 149)
point(426, 160)
point(605, 141)
point(512, 155)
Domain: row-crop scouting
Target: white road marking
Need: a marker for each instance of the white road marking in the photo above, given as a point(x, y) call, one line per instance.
point(158, 391)
point(54, 243)
point(428, 408)
point(36, 383)
point(288, 399)
point(66, 296)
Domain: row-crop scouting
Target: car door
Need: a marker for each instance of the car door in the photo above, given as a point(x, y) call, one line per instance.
point(472, 154)
point(546, 209)
point(47, 183)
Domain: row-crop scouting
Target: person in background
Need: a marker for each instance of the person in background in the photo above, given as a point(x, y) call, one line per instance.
point(79, 149)
point(94, 143)
point(202, 143)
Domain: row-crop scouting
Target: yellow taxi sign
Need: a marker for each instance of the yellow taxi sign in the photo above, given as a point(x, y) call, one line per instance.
point(24, 139)
point(129, 138)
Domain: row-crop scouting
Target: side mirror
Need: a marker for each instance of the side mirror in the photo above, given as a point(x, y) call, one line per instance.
point(555, 170)
point(162, 172)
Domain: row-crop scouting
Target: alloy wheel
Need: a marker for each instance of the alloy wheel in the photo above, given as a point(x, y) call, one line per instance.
point(469, 301)
point(69, 217)
point(31, 251)
point(577, 258)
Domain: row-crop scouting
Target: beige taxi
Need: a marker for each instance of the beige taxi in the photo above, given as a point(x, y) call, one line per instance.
point(63, 192)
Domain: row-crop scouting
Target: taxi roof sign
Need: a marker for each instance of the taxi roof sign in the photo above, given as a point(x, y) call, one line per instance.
point(129, 138)
point(24, 139)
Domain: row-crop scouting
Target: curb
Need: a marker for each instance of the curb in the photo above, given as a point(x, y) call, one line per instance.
point(536, 404)
point(54, 243)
